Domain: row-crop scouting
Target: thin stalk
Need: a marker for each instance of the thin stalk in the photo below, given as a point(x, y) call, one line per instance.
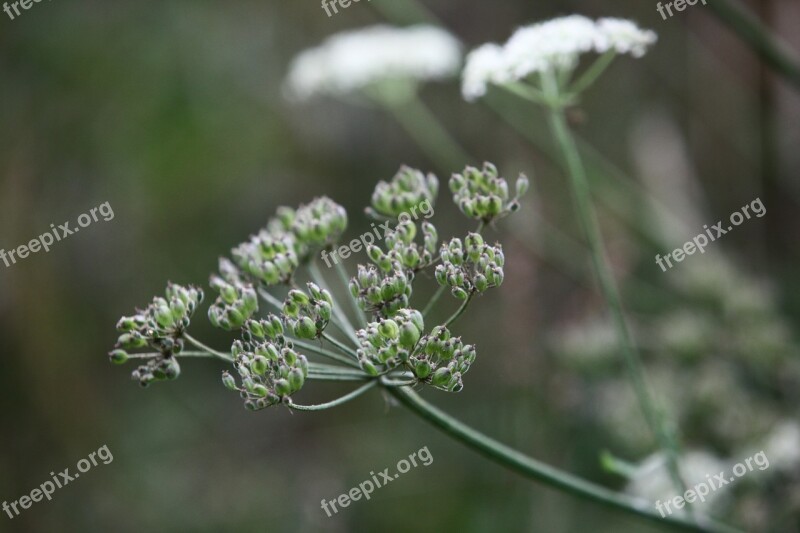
point(338, 313)
point(212, 351)
point(340, 345)
point(319, 350)
point(338, 401)
point(150, 355)
point(362, 321)
point(772, 50)
point(593, 72)
point(544, 473)
point(433, 300)
point(591, 228)
point(459, 311)
point(429, 134)
point(335, 377)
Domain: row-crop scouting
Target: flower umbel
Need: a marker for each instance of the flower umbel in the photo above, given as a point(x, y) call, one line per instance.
point(554, 46)
point(481, 194)
point(364, 59)
point(407, 189)
point(471, 267)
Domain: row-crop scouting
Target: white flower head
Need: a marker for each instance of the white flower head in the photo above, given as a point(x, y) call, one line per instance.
point(623, 36)
point(354, 60)
point(554, 45)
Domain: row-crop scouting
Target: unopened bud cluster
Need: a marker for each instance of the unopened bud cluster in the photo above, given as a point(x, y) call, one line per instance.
point(382, 294)
point(388, 343)
point(403, 250)
point(406, 190)
point(267, 259)
point(470, 267)
point(307, 315)
point(442, 360)
point(159, 326)
point(436, 359)
point(236, 303)
point(482, 195)
point(269, 368)
point(312, 226)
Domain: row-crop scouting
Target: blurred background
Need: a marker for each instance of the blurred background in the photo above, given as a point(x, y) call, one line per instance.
point(174, 113)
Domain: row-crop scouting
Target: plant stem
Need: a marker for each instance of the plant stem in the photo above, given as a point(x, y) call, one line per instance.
point(338, 313)
point(772, 50)
point(212, 351)
point(319, 350)
point(429, 134)
point(185, 353)
point(340, 345)
point(433, 300)
point(593, 72)
point(459, 311)
point(362, 321)
point(588, 220)
point(338, 401)
point(544, 473)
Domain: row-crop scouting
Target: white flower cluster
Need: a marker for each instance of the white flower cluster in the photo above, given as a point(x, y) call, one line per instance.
point(353, 60)
point(553, 45)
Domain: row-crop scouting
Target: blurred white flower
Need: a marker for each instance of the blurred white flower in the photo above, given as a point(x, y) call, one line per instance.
point(623, 36)
point(652, 480)
point(547, 46)
point(782, 446)
point(353, 60)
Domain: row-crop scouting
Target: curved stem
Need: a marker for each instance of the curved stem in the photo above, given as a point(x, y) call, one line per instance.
point(544, 473)
point(212, 351)
point(591, 228)
point(361, 319)
point(338, 401)
point(337, 377)
point(459, 311)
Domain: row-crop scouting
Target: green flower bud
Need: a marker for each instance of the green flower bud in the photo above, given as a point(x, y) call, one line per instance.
point(296, 379)
point(228, 381)
point(118, 357)
point(441, 377)
point(409, 335)
point(260, 390)
point(282, 387)
point(259, 365)
point(305, 328)
point(389, 329)
point(422, 369)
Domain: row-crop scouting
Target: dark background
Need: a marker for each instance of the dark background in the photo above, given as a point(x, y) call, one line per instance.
point(174, 113)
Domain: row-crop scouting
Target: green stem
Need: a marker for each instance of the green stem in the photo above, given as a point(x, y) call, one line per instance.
point(593, 72)
point(337, 377)
point(429, 134)
point(340, 345)
point(212, 351)
point(459, 311)
point(185, 353)
point(319, 350)
point(362, 321)
point(433, 300)
point(544, 473)
point(772, 50)
point(338, 401)
point(339, 316)
point(588, 220)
